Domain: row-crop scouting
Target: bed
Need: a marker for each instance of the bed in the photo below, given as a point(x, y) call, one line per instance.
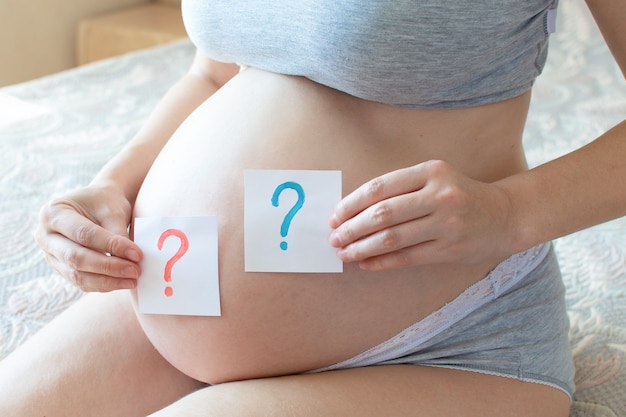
point(57, 131)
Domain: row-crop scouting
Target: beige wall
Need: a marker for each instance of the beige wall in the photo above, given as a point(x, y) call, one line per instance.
point(38, 37)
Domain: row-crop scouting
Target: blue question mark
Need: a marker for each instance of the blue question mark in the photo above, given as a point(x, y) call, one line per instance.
point(284, 228)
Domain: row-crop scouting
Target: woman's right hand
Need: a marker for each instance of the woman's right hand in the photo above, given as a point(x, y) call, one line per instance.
point(85, 238)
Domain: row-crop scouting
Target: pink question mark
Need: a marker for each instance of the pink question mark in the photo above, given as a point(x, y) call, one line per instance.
point(184, 245)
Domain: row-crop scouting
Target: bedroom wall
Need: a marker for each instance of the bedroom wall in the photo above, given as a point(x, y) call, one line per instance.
point(39, 37)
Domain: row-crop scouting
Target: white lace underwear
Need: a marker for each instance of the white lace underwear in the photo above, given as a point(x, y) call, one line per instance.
point(506, 274)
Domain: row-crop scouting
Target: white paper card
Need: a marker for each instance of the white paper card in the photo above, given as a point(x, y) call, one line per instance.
point(286, 220)
point(179, 267)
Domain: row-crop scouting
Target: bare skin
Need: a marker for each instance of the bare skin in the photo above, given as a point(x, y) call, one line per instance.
point(277, 324)
point(101, 358)
point(113, 371)
point(274, 325)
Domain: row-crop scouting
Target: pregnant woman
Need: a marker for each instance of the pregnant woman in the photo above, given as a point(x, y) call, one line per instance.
point(451, 301)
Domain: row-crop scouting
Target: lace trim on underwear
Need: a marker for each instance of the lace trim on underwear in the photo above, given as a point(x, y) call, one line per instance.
point(539, 379)
point(501, 278)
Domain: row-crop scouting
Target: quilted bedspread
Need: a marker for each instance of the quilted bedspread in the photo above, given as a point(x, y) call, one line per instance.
point(57, 131)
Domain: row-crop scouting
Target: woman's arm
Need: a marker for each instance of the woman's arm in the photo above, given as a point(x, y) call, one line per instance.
point(128, 169)
point(587, 186)
point(610, 15)
point(85, 234)
point(571, 193)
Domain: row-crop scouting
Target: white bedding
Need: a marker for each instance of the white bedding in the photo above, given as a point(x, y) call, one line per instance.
point(56, 132)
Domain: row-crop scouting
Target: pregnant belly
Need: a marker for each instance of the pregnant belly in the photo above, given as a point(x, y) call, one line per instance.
point(280, 323)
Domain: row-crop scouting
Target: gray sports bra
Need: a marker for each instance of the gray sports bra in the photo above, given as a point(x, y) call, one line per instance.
point(410, 53)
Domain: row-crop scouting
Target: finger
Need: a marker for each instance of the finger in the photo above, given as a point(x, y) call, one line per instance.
point(89, 235)
point(90, 282)
point(389, 240)
point(395, 183)
point(80, 258)
point(382, 215)
point(424, 253)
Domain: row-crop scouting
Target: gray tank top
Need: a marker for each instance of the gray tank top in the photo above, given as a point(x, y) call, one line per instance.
point(409, 53)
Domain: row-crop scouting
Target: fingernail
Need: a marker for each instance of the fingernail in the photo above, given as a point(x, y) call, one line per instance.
point(342, 254)
point(130, 272)
point(132, 255)
point(333, 221)
point(129, 284)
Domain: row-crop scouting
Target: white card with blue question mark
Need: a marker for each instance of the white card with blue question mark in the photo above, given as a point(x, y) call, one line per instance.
point(286, 220)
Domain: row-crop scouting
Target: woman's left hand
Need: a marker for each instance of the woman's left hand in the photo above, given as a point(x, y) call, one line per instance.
point(425, 214)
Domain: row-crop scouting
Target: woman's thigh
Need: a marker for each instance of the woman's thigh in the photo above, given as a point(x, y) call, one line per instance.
point(92, 360)
point(390, 391)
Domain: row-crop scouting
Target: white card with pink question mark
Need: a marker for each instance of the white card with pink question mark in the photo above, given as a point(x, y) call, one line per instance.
point(179, 269)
